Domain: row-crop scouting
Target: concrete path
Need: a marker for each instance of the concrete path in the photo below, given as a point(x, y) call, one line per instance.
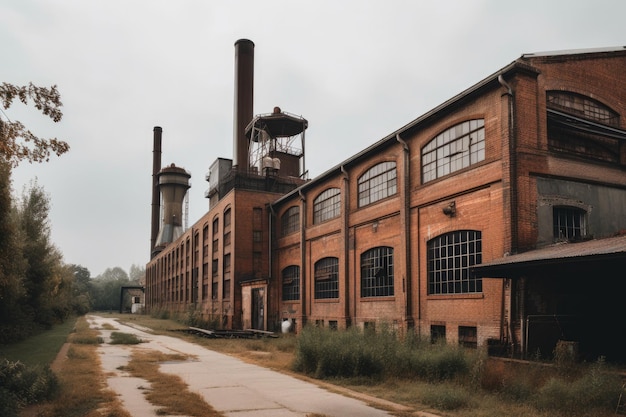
point(233, 387)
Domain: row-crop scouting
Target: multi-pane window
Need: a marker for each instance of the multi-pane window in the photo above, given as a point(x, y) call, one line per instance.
point(327, 278)
point(468, 336)
point(437, 333)
point(378, 182)
point(569, 223)
point(226, 275)
point(582, 106)
point(581, 126)
point(216, 226)
point(327, 205)
point(449, 260)
point(454, 149)
point(377, 272)
point(227, 217)
point(291, 283)
point(290, 221)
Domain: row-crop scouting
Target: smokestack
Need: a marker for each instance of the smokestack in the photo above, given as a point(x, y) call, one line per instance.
point(244, 95)
point(156, 206)
point(173, 185)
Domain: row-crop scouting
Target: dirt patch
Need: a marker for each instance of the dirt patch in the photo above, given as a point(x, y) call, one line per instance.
point(60, 358)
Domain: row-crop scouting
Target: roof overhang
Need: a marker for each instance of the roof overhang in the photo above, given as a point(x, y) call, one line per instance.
point(572, 122)
point(609, 254)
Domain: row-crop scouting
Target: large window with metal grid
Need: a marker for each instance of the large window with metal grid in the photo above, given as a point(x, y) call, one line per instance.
point(377, 272)
point(327, 205)
point(291, 283)
point(583, 127)
point(582, 106)
point(449, 259)
point(378, 182)
point(290, 221)
point(327, 278)
point(453, 149)
point(569, 223)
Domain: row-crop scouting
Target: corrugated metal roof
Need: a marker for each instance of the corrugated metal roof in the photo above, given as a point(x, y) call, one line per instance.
point(560, 252)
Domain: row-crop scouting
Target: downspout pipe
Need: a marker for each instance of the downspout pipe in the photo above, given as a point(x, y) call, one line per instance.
point(346, 246)
point(406, 221)
point(303, 280)
point(512, 139)
point(512, 164)
point(271, 216)
point(270, 234)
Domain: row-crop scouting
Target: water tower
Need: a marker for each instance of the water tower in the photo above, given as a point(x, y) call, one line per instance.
point(173, 184)
point(277, 144)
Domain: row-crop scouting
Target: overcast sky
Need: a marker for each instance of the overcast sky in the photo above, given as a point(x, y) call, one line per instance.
point(356, 70)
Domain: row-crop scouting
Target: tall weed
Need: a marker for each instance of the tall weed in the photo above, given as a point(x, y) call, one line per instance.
point(376, 354)
point(594, 389)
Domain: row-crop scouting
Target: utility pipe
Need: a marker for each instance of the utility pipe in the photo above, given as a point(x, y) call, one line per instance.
point(346, 245)
point(406, 220)
point(303, 281)
point(513, 244)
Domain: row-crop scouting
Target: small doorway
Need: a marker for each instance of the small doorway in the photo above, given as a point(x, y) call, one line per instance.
point(258, 308)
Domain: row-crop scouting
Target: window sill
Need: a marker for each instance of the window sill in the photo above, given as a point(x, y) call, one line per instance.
point(381, 298)
point(468, 296)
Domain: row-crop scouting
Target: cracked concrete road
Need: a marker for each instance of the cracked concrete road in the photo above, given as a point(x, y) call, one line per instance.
point(232, 387)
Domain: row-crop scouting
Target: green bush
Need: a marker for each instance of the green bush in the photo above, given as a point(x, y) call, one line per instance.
point(21, 386)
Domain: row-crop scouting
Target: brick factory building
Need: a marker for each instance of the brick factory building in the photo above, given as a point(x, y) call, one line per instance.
point(496, 219)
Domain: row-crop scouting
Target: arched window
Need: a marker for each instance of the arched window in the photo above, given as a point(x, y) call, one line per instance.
point(454, 149)
point(449, 259)
point(377, 272)
point(227, 217)
point(290, 221)
point(327, 278)
point(583, 127)
point(378, 182)
point(327, 205)
point(291, 283)
point(582, 106)
point(569, 223)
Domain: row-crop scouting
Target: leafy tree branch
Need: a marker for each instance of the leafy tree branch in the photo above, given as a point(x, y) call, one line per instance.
point(17, 143)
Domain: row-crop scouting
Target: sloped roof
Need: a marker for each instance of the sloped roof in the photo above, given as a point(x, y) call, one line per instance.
point(595, 250)
point(518, 65)
point(575, 51)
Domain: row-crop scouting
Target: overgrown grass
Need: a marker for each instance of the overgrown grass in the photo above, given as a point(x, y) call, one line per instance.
point(191, 317)
point(168, 391)
point(594, 390)
point(354, 353)
point(453, 378)
point(25, 374)
point(441, 379)
point(120, 338)
point(83, 390)
point(40, 349)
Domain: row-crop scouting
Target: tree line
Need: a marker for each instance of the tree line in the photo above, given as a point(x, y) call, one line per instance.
point(37, 289)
